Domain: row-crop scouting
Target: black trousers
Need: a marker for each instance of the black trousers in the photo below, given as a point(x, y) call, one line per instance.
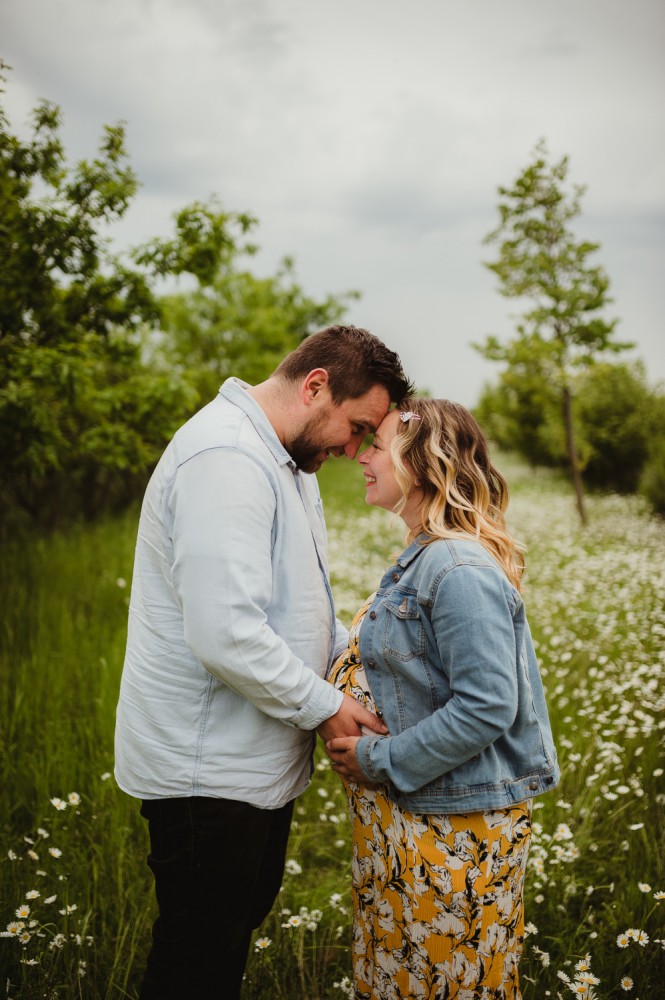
point(218, 866)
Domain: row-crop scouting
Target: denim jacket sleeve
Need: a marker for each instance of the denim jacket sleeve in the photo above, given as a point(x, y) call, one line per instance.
point(471, 615)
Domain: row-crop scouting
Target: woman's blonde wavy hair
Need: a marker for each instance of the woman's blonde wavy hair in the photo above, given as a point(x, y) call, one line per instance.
point(446, 453)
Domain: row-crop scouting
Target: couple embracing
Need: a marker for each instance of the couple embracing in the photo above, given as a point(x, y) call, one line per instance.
point(431, 708)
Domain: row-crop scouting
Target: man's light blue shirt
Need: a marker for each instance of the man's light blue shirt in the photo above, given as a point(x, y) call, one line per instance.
point(231, 623)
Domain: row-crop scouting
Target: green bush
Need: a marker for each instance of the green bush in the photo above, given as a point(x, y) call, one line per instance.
point(613, 407)
point(522, 414)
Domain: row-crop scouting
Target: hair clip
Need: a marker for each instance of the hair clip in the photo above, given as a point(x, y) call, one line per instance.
point(406, 415)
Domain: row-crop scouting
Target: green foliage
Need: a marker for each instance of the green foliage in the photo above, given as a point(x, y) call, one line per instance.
point(241, 325)
point(614, 411)
point(542, 261)
point(82, 422)
point(652, 478)
point(58, 275)
point(205, 243)
point(522, 412)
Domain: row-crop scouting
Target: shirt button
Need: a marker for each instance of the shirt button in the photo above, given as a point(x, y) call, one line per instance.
point(396, 577)
point(533, 786)
point(372, 615)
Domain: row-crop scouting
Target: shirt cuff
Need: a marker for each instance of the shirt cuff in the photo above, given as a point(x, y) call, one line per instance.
point(324, 701)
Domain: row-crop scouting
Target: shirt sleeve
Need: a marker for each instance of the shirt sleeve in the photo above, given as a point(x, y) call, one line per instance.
point(223, 507)
point(473, 625)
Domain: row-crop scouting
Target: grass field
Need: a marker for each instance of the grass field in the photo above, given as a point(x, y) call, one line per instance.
point(75, 892)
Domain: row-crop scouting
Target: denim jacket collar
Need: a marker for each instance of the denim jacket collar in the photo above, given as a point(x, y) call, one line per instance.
point(420, 544)
point(235, 390)
point(413, 550)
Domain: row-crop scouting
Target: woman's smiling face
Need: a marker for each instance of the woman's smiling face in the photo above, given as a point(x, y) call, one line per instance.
point(382, 489)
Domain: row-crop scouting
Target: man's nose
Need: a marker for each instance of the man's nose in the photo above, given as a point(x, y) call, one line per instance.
point(351, 449)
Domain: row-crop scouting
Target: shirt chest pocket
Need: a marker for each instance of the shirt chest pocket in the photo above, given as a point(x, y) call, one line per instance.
point(403, 635)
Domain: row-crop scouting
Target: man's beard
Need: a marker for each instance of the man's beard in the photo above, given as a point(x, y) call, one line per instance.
point(305, 449)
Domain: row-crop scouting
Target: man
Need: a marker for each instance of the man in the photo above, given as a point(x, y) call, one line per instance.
point(231, 631)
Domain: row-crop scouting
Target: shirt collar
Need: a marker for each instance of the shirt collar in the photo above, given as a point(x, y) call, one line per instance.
point(235, 390)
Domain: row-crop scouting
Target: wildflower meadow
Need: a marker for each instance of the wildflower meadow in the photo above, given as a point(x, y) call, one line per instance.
point(75, 892)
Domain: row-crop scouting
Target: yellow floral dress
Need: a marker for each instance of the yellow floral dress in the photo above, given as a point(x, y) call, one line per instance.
point(438, 899)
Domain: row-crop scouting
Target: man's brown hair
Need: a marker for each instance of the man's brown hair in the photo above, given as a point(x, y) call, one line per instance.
point(355, 361)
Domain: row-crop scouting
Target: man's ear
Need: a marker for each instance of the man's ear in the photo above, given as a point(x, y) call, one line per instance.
point(313, 385)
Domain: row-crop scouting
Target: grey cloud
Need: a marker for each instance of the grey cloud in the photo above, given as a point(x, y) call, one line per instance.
point(409, 211)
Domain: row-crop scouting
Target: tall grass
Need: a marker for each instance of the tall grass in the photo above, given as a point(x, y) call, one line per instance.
point(596, 602)
point(63, 602)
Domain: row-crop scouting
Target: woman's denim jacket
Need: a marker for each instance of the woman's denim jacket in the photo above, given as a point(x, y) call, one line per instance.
point(451, 665)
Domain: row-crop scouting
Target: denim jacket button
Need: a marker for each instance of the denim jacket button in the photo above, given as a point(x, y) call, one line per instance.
point(396, 577)
point(533, 786)
point(372, 615)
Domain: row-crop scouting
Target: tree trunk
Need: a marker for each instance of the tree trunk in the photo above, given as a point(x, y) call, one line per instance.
point(572, 454)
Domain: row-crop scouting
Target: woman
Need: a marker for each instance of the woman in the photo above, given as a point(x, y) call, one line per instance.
point(441, 808)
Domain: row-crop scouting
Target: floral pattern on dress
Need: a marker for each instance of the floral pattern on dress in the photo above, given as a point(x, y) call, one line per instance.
point(438, 899)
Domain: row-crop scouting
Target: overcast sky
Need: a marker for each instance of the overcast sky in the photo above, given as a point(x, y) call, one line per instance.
point(369, 137)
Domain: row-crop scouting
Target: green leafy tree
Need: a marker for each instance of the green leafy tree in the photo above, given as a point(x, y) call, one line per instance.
point(521, 411)
point(241, 325)
point(614, 410)
point(542, 262)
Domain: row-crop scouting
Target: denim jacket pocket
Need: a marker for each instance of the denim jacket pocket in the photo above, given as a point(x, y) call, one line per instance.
point(404, 634)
